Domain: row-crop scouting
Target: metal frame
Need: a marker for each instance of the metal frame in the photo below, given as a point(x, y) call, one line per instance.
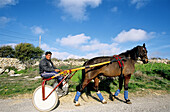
point(44, 82)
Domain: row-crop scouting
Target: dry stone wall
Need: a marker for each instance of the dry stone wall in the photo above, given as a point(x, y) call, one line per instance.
point(11, 62)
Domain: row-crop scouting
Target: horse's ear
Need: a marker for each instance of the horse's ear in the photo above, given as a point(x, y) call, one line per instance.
point(144, 45)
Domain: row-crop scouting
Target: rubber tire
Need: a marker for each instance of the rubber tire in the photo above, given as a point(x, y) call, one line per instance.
point(44, 105)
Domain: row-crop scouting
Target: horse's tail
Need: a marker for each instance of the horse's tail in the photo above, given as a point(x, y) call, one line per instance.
point(83, 72)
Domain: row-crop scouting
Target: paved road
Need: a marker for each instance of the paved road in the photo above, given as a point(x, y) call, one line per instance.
point(156, 103)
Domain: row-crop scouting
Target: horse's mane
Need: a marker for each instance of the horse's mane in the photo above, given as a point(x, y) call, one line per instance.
point(133, 53)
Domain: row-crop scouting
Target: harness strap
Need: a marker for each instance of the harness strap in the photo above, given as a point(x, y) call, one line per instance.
point(120, 62)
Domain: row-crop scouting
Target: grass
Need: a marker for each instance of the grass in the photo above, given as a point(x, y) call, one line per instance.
point(147, 76)
point(151, 76)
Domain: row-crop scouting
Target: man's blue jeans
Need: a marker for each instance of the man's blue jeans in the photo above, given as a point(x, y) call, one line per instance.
point(47, 75)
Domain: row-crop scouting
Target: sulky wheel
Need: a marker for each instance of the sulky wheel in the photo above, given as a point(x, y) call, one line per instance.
point(44, 105)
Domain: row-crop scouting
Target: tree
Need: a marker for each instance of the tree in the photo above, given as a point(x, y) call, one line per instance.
point(7, 51)
point(26, 51)
point(38, 52)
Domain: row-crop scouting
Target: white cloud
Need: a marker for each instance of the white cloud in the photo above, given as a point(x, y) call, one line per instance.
point(96, 45)
point(4, 20)
point(91, 47)
point(73, 41)
point(139, 3)
point(133, 35)
point(163, 33)
point(74, 56)
point(60, 55)
point(9, 44)
point(111, 50)
point(4, 3)
point(100, 49)
point(77, 8)
point(163, 47)
point(38, 30)
point(46, 47)
point(55, 52)
point(114, 9)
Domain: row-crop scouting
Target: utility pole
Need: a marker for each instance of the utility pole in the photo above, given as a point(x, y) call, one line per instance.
point(40, 41)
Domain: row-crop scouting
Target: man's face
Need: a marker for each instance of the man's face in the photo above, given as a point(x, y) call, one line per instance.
point(48, 56)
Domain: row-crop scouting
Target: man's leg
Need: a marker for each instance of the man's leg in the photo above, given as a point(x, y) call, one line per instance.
point(47, 75)
point(59, 79)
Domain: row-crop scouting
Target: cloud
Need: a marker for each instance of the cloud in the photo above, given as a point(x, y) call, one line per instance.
point(57, 54)
point(96, 45)
point(4, 3)
point(4, 20)
point(60, 55)
point(133, 35)
point(163, 47)
point(46, 47)
point(90, 47)
point(139, 3)
point(38, 30)
point(77, 8)
point(74, 56)
point(114, 9)
point(163, 33)
point(100, 49)
point(85, 45)
point(9, 44)
point(73, 41)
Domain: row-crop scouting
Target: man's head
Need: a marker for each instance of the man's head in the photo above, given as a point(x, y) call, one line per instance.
point(48, 55)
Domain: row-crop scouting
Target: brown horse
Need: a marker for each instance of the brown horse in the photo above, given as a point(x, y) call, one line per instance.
point(111, 70)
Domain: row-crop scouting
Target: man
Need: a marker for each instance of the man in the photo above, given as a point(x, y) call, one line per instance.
point(47, 69)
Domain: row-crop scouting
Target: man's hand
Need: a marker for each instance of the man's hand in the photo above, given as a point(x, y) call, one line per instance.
point(58, 70)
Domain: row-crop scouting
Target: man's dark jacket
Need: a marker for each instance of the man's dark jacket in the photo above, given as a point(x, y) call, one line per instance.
point(46, 66)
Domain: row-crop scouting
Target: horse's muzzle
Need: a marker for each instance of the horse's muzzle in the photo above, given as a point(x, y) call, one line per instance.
point(145, 61)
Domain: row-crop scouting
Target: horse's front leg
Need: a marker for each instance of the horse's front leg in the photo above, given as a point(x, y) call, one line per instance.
point(126, 81)
point(121, 77)
point(96, 87)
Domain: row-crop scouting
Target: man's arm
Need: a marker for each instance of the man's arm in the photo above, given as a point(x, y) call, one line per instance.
point(56, 69)
point(45, 67)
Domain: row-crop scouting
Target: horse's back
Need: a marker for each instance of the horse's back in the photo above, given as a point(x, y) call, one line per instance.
point(109, 70)
point(98, 60)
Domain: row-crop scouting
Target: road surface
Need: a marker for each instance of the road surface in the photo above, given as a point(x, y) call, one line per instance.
point(149, 103)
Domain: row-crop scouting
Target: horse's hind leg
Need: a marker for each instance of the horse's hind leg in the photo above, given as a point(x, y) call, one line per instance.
point(85, 83)
point(127, 78)
point(96, 87)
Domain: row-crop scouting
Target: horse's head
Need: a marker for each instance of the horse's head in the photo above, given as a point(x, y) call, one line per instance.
point(142, 53)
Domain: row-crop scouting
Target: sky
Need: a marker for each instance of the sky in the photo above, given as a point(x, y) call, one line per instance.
point(87, 28)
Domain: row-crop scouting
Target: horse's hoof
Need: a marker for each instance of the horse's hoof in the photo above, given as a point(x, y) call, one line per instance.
point(77, 104)
point(74, 101)
point(111, 97)
point(128, 102)
point(104, 101)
